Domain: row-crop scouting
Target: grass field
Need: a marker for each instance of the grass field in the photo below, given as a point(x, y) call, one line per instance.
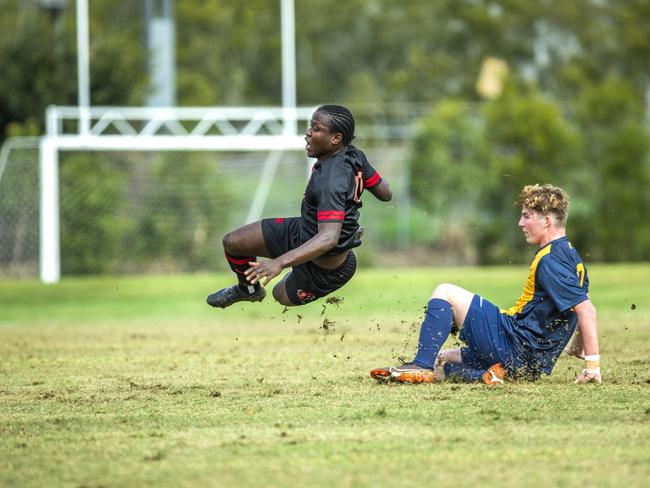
point(134, 381)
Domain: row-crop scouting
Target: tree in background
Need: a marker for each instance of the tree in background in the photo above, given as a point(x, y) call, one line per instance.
point(448, 168)
point(611, 116)
point(575, 112)
point(178, 207)
point(39, 66)
point(468, 167)
point(380, 53)
point(92, 196)
point(228, 53)
point(529, 140)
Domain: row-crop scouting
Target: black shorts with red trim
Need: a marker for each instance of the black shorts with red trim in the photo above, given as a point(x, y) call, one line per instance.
point(306, 282)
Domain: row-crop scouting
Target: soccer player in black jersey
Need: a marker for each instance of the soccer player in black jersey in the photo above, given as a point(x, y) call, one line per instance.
point(318, 244)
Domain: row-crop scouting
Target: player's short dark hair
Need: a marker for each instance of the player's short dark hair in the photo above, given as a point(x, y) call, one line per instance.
point(545, 199)
point(341, 120)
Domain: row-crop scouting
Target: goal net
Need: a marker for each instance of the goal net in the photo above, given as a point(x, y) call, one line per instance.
point(134, 212)
point(131, 212)
point(19, 212)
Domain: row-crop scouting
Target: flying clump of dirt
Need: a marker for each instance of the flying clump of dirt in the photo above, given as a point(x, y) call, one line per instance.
point(328, 326)
point(333, 300)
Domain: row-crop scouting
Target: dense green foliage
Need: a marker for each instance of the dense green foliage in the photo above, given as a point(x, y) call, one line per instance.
point(481, 159)
point(573, 111)
point(378, 52)
point(134, 381)
point(39, 65)
point(153, 215)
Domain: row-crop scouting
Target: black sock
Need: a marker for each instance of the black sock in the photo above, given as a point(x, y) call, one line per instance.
point(239, 264)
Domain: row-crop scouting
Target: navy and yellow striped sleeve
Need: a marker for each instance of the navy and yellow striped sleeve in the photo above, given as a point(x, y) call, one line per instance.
point(561, 281)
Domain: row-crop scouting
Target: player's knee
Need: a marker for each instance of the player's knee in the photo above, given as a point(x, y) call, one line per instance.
point(442, 291)
point(280, 295)
point(230, 242)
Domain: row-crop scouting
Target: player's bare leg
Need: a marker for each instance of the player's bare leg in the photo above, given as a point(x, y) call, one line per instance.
point(415, 372)
point(459, 298)
point(446, 356)
point(419, 371)
point(449, 356)
point(241, 246)
point(247, 240)
point(280, 292)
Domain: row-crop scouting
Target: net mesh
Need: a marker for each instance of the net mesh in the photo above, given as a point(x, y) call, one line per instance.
point(134, 212)
point(19, 207)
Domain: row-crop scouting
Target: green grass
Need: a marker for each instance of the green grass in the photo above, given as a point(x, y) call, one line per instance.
point(134, 381)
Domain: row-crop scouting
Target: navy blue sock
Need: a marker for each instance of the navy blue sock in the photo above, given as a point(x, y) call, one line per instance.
point(434, 331)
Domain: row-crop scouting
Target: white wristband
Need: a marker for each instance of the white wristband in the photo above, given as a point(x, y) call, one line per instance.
point(592, 357)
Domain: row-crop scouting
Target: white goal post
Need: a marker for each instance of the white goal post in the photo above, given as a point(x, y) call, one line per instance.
point(271, 129)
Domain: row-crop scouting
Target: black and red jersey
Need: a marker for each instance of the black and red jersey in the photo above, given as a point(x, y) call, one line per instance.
point(333, 194)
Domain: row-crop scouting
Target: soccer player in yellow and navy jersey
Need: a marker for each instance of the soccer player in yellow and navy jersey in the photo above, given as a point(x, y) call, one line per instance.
point(525, 340)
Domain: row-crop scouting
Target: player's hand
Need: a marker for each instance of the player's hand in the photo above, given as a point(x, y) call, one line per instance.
point(589, 376)
point(262, 272)
point(591, 370)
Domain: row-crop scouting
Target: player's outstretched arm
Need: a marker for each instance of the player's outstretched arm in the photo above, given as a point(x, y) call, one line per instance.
point(382, 191)
point(326, 238)
point(375, 184)
point(588, 330)
point(576, 348)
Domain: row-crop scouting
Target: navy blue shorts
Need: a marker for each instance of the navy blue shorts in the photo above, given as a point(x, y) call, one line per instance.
point(487, 343)
point(306, 282)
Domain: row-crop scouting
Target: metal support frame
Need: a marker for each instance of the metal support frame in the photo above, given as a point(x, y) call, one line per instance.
point(155, 129)
point(162, 129)
point(83, 66)
point(49, 249)
point(288, 65)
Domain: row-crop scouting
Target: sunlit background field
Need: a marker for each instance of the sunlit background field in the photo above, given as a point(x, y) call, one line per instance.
point(127, 381)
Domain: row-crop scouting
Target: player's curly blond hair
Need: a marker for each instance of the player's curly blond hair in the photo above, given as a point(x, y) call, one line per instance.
point(545, 199)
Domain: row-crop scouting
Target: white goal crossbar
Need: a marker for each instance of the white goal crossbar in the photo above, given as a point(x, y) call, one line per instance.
point(154, 129)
